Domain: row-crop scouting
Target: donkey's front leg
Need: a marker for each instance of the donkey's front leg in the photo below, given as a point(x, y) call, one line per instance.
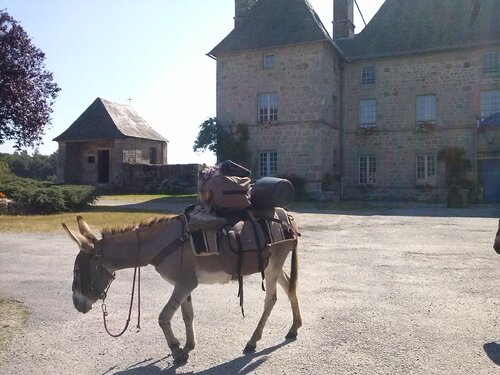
point(179, 297)
point(271, 298)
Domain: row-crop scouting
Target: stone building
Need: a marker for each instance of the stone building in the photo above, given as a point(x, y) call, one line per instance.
point(104, 138)
point(371, 109)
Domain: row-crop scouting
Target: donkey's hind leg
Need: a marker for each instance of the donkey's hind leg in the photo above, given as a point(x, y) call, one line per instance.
point(284, 281)
point(179, 297)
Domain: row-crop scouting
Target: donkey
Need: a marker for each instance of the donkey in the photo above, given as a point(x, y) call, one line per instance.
point(162, 242)
point(496, 245)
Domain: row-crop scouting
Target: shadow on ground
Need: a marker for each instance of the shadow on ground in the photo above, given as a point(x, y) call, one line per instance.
point(244, 364)
point(166, 205)
point(175, 205)
point(492, 350)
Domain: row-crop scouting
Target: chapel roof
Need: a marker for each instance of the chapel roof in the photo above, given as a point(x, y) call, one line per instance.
point(108, 120)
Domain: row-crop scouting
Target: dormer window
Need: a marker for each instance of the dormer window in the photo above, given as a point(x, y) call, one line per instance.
point(268, 61)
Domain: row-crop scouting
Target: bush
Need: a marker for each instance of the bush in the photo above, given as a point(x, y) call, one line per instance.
point(45, 197)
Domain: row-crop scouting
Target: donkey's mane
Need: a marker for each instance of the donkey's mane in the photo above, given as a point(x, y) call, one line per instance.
point(111, 231)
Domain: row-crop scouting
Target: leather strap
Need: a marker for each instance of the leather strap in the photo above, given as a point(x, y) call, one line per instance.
point(174, 245)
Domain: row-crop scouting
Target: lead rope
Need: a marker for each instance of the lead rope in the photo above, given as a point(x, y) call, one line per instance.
point(104, 311)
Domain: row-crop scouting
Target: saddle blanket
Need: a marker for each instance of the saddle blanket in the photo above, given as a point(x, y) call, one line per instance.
point(243, 242)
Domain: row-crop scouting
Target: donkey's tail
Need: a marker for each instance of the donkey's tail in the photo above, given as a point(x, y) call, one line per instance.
point(294, 271)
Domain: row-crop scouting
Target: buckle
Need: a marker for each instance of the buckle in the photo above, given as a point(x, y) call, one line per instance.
point(185, 236)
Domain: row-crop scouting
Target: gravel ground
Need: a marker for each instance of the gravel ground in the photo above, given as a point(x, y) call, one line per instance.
point(398, 291)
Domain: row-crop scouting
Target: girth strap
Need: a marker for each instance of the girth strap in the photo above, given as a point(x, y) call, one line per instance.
point(174, 245)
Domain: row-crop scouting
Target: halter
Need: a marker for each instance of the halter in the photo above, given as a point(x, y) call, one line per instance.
point(98, 286)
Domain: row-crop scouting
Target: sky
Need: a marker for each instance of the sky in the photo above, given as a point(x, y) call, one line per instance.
point(152, 52)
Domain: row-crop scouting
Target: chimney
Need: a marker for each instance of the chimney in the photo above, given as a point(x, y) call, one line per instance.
point(240, 9)
point(343, 17)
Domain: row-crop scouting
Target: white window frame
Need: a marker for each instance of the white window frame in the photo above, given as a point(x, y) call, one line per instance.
point(490, 103)
point(426, 165)
point(267, 107)
point(367, 170)
point(368, 75)
point(268, 163)
point(368, 113)
point(268, 60)
point(491, 62)
point(426, 111)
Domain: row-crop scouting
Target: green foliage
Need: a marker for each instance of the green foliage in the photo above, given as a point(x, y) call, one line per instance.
point(457, 166)
point(233, 145)
point(227, 145)
point(27, 90)
point(4, 168)
point(39, 167)
point(330, 182)
point(207, 136)
point(45, 197)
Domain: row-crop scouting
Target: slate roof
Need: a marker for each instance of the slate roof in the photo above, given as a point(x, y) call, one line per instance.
point(107, 120)
point(272, 23)
point(403, 27)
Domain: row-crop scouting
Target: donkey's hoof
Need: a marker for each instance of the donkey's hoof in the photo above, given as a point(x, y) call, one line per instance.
point(181, 359)
point(250, 348)
point(291, 336)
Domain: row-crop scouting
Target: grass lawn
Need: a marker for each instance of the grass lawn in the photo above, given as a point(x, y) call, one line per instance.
point(114, 210)
point(98, 216)
point(13, 316)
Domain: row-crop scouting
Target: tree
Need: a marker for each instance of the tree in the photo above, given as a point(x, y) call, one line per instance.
point(38, 167)
point(207, 136)
point(227, 145)
point(27, 90)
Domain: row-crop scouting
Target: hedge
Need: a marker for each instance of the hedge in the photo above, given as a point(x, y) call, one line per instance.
point(46, 197)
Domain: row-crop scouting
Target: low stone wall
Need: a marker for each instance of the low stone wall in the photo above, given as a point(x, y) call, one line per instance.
point(145, 178)
point(10, 207)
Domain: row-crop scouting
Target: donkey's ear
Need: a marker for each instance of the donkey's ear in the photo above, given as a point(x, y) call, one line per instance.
point(85, 229)
point(83, 243)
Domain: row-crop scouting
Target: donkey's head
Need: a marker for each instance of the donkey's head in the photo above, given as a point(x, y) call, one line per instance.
point(90, 277)
point(496, 245)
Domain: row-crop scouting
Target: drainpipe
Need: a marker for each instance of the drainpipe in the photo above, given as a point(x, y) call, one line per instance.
point(341, 126)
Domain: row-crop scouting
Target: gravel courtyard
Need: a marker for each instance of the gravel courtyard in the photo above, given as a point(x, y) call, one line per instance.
point(386, 291)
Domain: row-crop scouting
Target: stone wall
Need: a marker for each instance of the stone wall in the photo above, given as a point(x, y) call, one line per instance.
point(306, 80)
point(455, 78)
point(139, 178)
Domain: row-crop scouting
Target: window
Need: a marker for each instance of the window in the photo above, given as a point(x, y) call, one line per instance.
point(426, 169)
point(152, 155)
point(91, 159)
point(367, 113)
point(490, 102)
point(268, 163)
point(268, 61)
point(367, 170)
point(368, 75)
point(268, 107)
point(491, 62)
point(426, 109)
